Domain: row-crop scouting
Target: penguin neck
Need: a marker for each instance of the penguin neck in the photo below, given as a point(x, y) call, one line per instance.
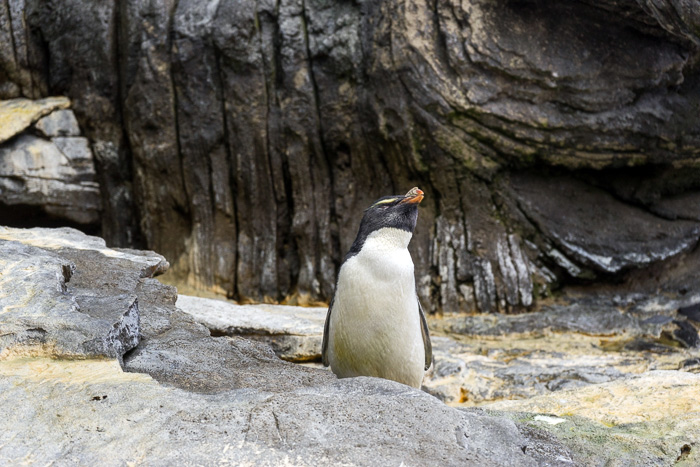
point(388, 238)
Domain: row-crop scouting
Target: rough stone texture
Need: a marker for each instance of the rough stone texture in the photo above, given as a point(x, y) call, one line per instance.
point(211, 400)
point(207, 400)
point(88, 412)
point(56, 177)
point(490, 357)
point(670, 441)
point(251, 136)
point(644, 398)
point(651, 419)
point(16, 115)
point(59, 123)
point(295, 333)
point(475, 372)
point(48, 309)
point(605, 234)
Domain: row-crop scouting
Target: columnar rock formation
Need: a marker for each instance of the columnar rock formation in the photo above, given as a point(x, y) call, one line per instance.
point(557, 142)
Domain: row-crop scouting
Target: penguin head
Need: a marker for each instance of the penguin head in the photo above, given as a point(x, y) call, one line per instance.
point(398, 212)
point(390, 212)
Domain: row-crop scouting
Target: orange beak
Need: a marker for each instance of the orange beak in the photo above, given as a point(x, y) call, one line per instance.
point(414, 196)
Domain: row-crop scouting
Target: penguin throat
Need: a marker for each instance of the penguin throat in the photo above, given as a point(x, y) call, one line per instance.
point(389, 238)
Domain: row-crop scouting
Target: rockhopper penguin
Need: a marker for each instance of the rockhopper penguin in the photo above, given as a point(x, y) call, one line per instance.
point(375, 324)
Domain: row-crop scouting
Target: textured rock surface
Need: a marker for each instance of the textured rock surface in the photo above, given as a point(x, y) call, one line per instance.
point(91, 412)
point(189, 398)
point(46, 180)
point(207, 399)
point(59, 123)
point(493, 357)
point(649, 397)
point(295, 333)
point(58, 177)
point(16, 115)
point(651, 419)
point(50, 307)
point(252, 136)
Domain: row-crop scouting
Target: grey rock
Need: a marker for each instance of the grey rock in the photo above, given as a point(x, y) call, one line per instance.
point(677, 17)
point(647, 419)
point(606, 234)
point(105, 416)
point(267, 129)
point(177, 351)
point(47, 308)
point(480, 362)
point(86, 68)
point(495, 357)
point(77, 149)
point(35, 172)
point(59, 123)
point(234, 396)
point(295, 333)
point(211, 399)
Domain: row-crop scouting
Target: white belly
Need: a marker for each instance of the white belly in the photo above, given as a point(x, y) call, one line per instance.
point(375, 327)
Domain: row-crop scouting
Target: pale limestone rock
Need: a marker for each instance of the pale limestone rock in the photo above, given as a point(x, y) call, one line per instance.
point(59, 123)
point(76, 149)
point(294, 332)
point(16, 115)
point(36, 172)
point(45, 311)
point(650, 396)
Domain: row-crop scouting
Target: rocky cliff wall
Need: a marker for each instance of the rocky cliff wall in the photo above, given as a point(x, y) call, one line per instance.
point(557, 143)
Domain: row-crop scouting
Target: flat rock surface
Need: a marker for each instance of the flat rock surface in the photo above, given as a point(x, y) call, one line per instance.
point(295, 332)
point(476, 372)
point(647, 397)
point(649, 419)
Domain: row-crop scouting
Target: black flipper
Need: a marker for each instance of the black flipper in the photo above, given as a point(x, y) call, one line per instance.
point(427, 346)
point(326, 328)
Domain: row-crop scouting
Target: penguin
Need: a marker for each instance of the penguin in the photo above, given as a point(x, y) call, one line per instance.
point(375, 325)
